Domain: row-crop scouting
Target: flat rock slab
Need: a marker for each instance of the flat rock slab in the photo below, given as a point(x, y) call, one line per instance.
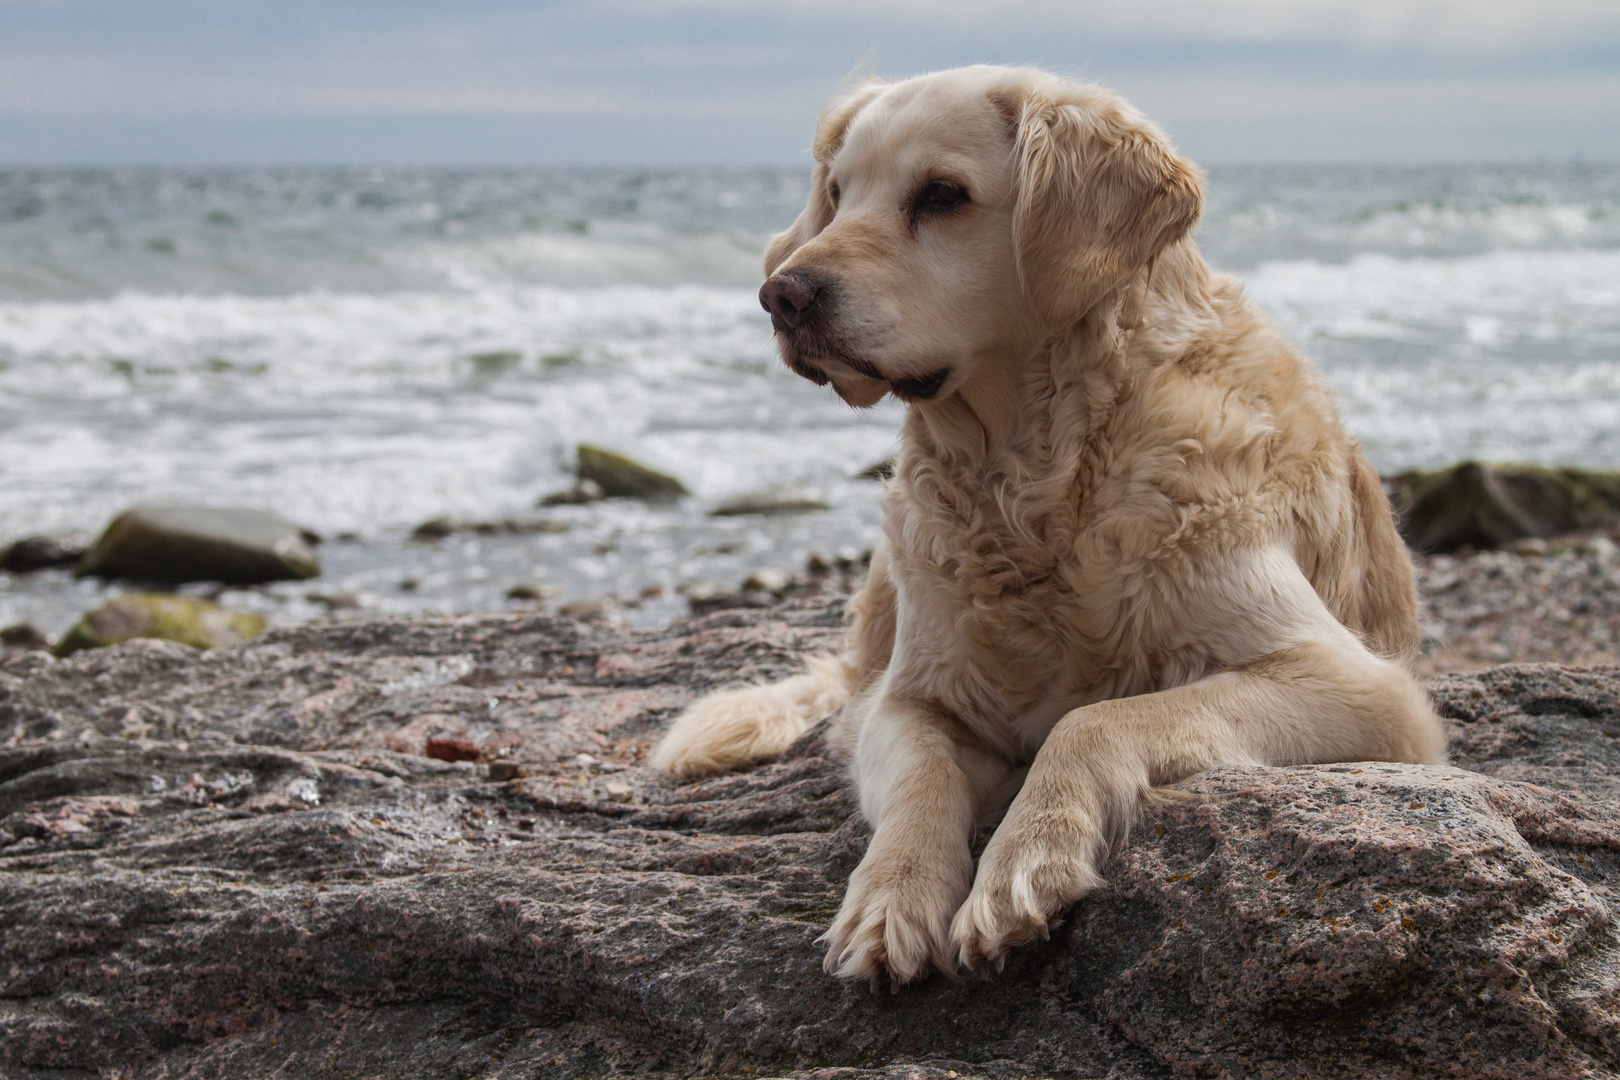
point(239, 863)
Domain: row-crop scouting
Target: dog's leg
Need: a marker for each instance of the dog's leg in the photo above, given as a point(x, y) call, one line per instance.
point(923, 782)
point(1318, 701)
point(732, 728)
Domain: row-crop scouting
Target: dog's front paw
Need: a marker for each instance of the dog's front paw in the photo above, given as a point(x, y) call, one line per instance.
point(894, 924)
point(1027, 876)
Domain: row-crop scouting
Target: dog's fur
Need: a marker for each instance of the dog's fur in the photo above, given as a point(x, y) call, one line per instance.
point(1127, 539)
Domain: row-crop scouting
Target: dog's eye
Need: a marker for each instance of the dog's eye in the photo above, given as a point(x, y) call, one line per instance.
point(833, 192)
point(938, 197)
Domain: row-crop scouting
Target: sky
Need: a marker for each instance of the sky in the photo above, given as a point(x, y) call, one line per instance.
point(739, 82)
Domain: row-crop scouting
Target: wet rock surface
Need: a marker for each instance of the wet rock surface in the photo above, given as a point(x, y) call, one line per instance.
point(175, 544)
point(241, 862)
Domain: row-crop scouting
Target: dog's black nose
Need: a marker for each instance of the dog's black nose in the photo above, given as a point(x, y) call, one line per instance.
point(787, 297)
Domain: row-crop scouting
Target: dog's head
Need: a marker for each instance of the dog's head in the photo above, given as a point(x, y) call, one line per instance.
point(958, 218)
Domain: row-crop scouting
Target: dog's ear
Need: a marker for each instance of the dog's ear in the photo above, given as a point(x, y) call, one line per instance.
point(1100, 194)
point(831, 127)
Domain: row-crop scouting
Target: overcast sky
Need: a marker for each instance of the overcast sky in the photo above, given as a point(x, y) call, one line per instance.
point(739, 82)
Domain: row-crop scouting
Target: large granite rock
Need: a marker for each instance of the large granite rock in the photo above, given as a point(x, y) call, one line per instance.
point(175, 544)
point(239, 863)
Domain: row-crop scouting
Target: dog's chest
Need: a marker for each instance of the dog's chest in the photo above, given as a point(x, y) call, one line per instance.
point(990, 623)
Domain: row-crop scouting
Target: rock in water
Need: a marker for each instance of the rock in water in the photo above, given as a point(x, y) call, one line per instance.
point(156, 615)
point(620, 478)
point(793, 500)
point(213, 868)
point(1487, 506)
point(42, 552)
point(175, 544)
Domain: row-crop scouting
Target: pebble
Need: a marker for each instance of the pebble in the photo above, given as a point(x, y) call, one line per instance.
point(619, 791)
point(503, 771)
point(451, 750)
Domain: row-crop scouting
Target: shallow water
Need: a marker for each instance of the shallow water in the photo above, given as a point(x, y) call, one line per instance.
point(366, 349)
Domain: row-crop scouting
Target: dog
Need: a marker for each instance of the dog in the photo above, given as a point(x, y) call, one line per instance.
point(1126, 538)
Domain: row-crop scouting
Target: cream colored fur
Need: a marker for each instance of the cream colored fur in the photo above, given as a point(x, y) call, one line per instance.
point(1127, 539)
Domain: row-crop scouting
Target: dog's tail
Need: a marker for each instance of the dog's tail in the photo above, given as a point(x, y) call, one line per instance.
point(733, 728)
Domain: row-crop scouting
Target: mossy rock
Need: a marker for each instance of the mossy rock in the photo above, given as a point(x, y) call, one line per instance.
point(159, 615)
point(1487, 506)
point(620, 478)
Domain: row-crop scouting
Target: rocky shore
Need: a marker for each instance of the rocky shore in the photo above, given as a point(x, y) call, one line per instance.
point(244, 862)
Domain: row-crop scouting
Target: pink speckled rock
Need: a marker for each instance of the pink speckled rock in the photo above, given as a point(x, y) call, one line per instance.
point(223, 865)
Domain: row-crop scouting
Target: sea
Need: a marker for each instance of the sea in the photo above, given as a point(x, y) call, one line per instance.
point(366, 349)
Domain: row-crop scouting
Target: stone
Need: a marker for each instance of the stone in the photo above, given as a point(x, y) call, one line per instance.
point(448, 525)
point(878, 470)
point(787, 500)
point(183, 619)
point(44, 551)
point(583, 492)
point(618, 790)
point(618, 477)
point(175, 544)
point(1484, 506)
point(211, 866)
point(24, 635)
point(532, 591)
point(703, 597)
point(586, 608)
point(768, 580)
point(452, 750)
point(503, 771)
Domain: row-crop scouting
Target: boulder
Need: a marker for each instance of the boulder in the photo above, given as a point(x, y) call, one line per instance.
point(617, 477)
point(42, 552)
point(213, 867)
point(175, 544)
point(1486, 506)
point(787, 500)
point(184, 619)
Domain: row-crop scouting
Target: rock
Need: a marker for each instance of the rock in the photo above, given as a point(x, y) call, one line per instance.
point(42, 552)
point(532, 591)
point(503, 771)
point(586, 608)
point(213, 868)
point(452, 750)
point(791, 500)
point(878, 470)
point(703, 597)
point(183, 619)
point(24, 636)
point(174, 544)
point(440, 527)
point(768, 580)
point(618, 790)
point(1488, 506)
point(620, 478)
point(583, 491)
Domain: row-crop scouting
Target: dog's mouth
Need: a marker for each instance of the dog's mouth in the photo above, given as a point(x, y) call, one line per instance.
point(858, 381)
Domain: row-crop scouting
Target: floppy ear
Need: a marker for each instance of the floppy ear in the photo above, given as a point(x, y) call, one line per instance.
point(831, 127)
point(1100, 194)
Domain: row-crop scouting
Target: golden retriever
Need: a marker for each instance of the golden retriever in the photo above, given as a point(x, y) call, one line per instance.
point(1126, 538)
